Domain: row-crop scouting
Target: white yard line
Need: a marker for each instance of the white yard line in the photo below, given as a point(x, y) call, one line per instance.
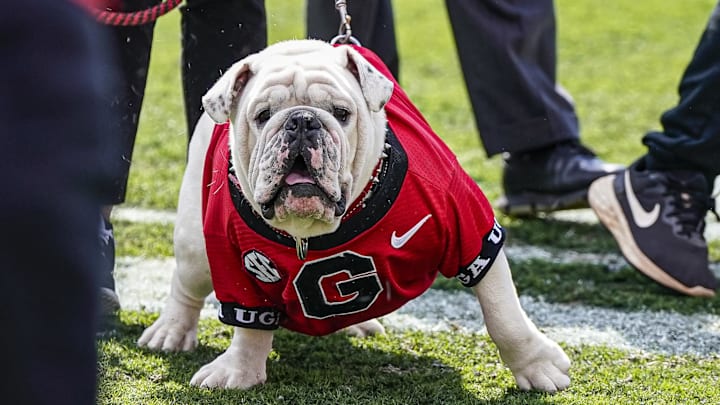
point(144, 285)
point(143, 215)
point(712, 230)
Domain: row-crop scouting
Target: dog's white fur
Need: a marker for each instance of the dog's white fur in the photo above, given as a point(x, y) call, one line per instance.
point(535, 361)
point(321, 82)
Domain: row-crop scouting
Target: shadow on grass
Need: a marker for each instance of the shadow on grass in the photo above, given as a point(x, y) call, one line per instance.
point(408, 368)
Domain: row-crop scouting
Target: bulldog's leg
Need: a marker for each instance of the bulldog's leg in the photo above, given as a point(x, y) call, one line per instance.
point(176, 328)
point(536, 361)
point(242, 365)
point(365, 329)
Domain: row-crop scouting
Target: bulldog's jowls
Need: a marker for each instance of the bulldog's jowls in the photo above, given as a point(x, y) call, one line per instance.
point(317, 198)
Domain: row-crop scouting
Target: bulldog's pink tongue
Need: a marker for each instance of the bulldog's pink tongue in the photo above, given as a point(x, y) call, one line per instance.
point(298, 178)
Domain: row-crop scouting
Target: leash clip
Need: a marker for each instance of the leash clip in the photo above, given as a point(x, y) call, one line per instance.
point(345, 31)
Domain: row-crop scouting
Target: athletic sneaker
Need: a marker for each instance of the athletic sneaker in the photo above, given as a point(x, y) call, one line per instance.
point(658, 220)
point(550, 179)
point(109, 301)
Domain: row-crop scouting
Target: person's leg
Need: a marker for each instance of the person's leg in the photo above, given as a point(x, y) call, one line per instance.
point(216, 34)
point(50, 172)
point(508, 54)
point(507, 51)
point(690, 139)
point(132, 47)
point(372, 24)
point(656, 208)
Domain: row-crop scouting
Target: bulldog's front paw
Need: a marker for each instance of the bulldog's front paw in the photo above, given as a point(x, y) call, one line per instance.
point(230, 370)
point(175, 329)
point(539, 365)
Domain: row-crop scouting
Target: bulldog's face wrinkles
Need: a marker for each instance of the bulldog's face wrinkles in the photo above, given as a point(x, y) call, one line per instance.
point(297, 165)
point(306, 137)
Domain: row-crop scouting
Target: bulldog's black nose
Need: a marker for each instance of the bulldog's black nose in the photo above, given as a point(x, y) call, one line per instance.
point(302, 121)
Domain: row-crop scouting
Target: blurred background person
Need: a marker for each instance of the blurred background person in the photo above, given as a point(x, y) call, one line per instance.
point(52, 176)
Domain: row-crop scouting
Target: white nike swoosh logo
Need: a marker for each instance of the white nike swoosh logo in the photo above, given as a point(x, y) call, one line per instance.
point(642, 218)
point(399, 241)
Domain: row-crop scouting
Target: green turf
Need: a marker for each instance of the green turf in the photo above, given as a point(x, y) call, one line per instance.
point(142, 239)
point(398, 368)
point(621, 62)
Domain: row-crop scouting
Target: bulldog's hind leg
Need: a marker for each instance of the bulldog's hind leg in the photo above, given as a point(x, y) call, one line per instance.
point(364, 329)
point(176, 328)
point(536, 361)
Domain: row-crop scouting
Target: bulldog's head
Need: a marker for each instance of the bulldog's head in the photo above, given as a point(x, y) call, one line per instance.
point(307, 131)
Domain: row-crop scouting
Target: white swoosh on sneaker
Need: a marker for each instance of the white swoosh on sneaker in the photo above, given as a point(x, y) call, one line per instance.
point(642, 218)
point(399, 241)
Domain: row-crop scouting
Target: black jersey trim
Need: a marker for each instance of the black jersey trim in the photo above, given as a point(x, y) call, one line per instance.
point(375, 207)
point(493, 241)
point(265, 318)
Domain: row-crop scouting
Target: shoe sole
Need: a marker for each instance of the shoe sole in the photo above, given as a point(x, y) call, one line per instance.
point(604, 202)
point(531, 204)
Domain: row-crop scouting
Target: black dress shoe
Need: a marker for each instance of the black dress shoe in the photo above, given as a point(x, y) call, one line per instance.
point(550, 179)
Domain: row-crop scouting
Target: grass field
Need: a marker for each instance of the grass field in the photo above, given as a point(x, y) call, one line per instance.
point(621, 62)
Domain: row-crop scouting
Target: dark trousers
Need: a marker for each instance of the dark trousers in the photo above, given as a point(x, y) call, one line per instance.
point(215, 34)
point(372, 24)
point(50, 173)
point(507, 53)
point(690, 138)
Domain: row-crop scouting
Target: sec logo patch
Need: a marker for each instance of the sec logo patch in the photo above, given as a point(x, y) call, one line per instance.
point(261, 267)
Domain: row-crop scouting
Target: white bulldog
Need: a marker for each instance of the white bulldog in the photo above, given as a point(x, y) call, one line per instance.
point(321, 200)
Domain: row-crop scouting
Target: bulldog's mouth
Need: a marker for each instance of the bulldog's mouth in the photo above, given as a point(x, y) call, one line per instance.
point(298, 174)
point(299, 193)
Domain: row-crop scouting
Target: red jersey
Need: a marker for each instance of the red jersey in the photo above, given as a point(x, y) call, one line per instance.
point(425, 216)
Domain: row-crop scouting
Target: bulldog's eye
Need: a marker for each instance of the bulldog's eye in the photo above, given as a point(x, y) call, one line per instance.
point(341, 114)
point(262, 117)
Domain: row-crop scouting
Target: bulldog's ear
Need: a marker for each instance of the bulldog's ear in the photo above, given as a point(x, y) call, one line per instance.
point(376, 88)
point(222, 96)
